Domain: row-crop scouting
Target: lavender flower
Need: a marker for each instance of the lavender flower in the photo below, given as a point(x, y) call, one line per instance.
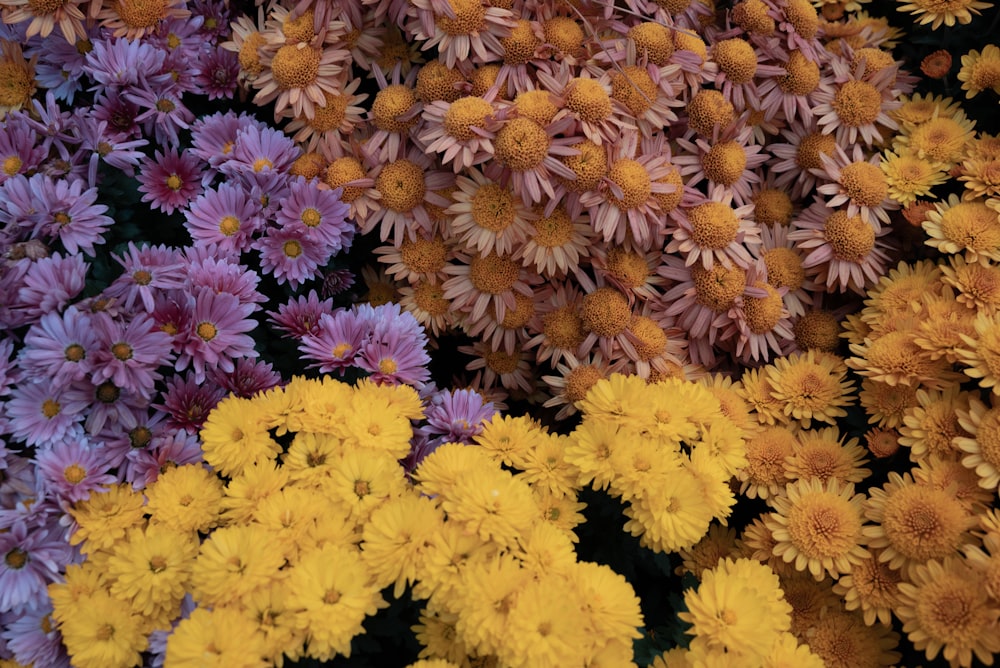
point(129, 353)
point(148, 271)
point(73, 468)
point(67, 211)
point(59, 346)
point(218, 335)
point(396, 350)
point(33, 558)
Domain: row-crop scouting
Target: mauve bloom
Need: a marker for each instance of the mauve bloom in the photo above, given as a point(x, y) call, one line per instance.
point(177, 449)
point(147, 272)
point(206, 270)
point(300, 315)
point(54, 126)
point(319, 214)
point(173, 316)
point(39, 412)
point(162, 113)
point(226, 217)
point(59, 69)
point(217, 73)
point(118, 63)
point(213, 138)
point(119, 439)
point(188, 402)
point(32, 635)
point(19, 152)
point(50, 283)
point(260, 149)
point(103, 147)
point(457, 415)
point(395, 352)
point(248, 378)
point(336, 344)
point(170, 179)
point(17, 206)
point(129, 353)
point(289, 256)
point(120, 114)
point(67, 211)
point(33, 559)
point(59, 346)
point(218, 334)
point(73, 468)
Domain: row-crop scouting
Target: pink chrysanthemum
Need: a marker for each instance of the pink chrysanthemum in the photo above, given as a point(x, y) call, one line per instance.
point(853, 105)
point(218, 335)
point(225, 217)
point(728, 160)
point(74, 468)
point(461, 29)
point(300, 315)
point(710, 230)
point(487, 216)
point(170, 179)
point(290, 256)
point(297, 75)
point(526, 155)
point(460, 132)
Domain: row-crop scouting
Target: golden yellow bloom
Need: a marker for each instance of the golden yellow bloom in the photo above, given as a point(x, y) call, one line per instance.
point(233, 562)
point(969, 227)
point(102, 632)
point(944, 13)
point(152, 568)
point(185, 498)
point(766, 451)
point(870, 587)
point(982, 446)
point(945, 610)
point(980, 71)
point(931, 426)
point(104, 517)
point(843, 640)
point(886, 404)
point(822, 454)
point(818, 527)
point(221, 637)
point(910, 176)
point(234, 436)
point(812, 385)
point(719, 543)
point(492, 504)
point(396, 538)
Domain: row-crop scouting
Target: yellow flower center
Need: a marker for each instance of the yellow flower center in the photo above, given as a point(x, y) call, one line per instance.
point(344, 170)
point(501, 363)
point(206, 331)
point(772, 206)
point(390, 103)
point(628, 266)
point(811, 147)
point(74, 352)
point(801, 75)
point(16, 559)
point(972, 225)
point(429, 297)
point(580, 380)
point(763, 313)
point(310, 217)
point(553, 231)
point(141, 13)
point(850, 237)
point(674, 7)
point(736, 58)
point(564, 34)
point(139, 437)
point(536, 105)
point(519, 47)
point(493, 274)
point(650, 339)
point(718, 287)
point(387, 366)
point(857, 103)
point(588, 99)
point(714, 225)
point(563, 328)
point(803, 17)
point(296, 66)
point(17, 82)
point(864, 183)
point(493, 208)
point(435, 81)
point(260, 164)
point(43, 7)
point(634, 181)
point(752, 16)
point(464, 114)
point(229, 225)
point(330, 115)
point(784, 268)
point(50, 408)
point(249, 57)
point(634, 88)
point(470, 18)
point(707, 109)
point(291, 248)
point(340, 350)
point(74, 474)
point(653, 40)
point(12, 165)
point(724, 163)
point(401, 184)
point(817, 330)
point(521, 144)
point(122, 351)
point(299, 29)
point(424, 256)
point(308, 165)
point(590, 166)
point(522, 312)
point(605, 312)
point(671, 200)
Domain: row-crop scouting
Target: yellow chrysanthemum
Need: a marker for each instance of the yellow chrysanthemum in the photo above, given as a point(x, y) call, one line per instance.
point(945, 610)
point(269, 611)
point(886, 404)
point(910, 176)
point(897, 291)
point(185, 498)
point(641, 467)
point(788, 653)
point(334, 593)
point(718, 544)
point(290, 515)
point(508, 439)
point(931, 426)
point(361, 481)
point(442, 469)
point(818, 527)
point(980, 71)
point(245, 491)
point(758, 393)
point(81, 582)
point(435, 631)
point(943, 13)
point(766, 452)
point(493, 504)
point(812, 386)
point(822, 454)
point(914, 523)
point(396, 538)
point(485, 598)
point(234, 436)
point(102, 632)
point(151, 570)
point(547, 626)
point(982, 446)
point(843, 640)
point(220, 637)
point(375, 425)
point(589, 449)
point(619, 398)
point(894, 358)
point(968, 227)
point(981, 353)
point(871, 586)
point(233, 562)
point(104, 517)
point(672, 516)
point(312, 456)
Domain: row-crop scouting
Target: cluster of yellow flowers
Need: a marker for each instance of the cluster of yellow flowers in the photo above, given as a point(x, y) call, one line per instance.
point(289, 555)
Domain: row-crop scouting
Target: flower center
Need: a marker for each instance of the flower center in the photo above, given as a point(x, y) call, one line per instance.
point(206, 331)
point(295, 66)
point(464, 114)
point(74, 474)
point(429, 297)
point(229, 225)
point(580, 380)
point(724, 163)
point(401, 185)
point(74, 352)
point(803, 18)
point(736, 58)
point(784, 268)
point(140, 437)
point(521, 144)
point(649, 338)
point(553, 231)
point(470, 18)
point(249, 57)
point(654, 40)
point(42, 7)
point(387, 366)
point(122, 351)
point(707, 109)
point(864, 183)
point(857, 103)
point(16, 559)
point(605, 312)
point(331, 115)
point(435, 81)
point(811, 146)
point(634, 181)
point(801, 75)
point(391, 102)
point(493, 274)
point(522, 312)
point(141, 13)
point(588, 99)
point(107, 392)
point(501, 363)
point(763, 313)
point(563, 33)
point(299, 29)
point(628, 266)
point(718, 287)
point(493, 208)
point(12, 165)
point(563, 328)
point(590, 166)
point(50, 408)
point(519, 47)
point(634, 88)
point(344, 170)
point(714, 225)
point(424, 256)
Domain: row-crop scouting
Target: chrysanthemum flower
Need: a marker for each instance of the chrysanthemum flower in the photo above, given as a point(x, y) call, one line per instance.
point(461, 29)
point(395, 539)
point(485, 597)
point(339, 116)
point(795, 159)
point(405, 189)
point(667, 520)
point(74, 469)
point(822, 454)
point(460, 131)
point(225, 216)
point(19, 77)
point(886, 404)
point(487, 216)
point(969, 227)
point(945, 610)
point(947, 14)
point(843, 639)
point(858, 183)
point(766, 452)
point(812, 386)
point(982, 445)
point(854, 105)
point(980, 70)
point(297, 75)
point(103, 519)
point(548, 626)
point(980, 354)
point(234, 561)
point(941, 139)
point(909, 176)
point(170, 180)
point(185, 498)
point(978, 284)
point(526, 155)
point(151, 568)
point(99, 631)
point(915, 523)
point(819, 527)
point(491, 503)
point(871, 586)
point(222, 634)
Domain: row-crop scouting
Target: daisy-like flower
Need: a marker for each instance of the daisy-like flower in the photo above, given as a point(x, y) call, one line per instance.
point(59, 346)
point(300, 315)
point(219, 324)
point(395, 352)
point(859, 183)
point(729, 161)
point(978, 285)
point(74, 469)
point(588, 101)
point(132, 20)
point(841, 250)
point(290, 255)
point(945, 610)
point(339, 116)
point(417, 259)
point(296, 76)
point(960, 11)
point(33, 559)
point(488, 217)
point(19, 77)
point(784, 264)
point(170, 179)
point(822, 454)
point(970, 227)
point(795, 160)
point(980, 354)
point(980, 70)
point(510, 370)
point(129, 353)
point(460, 131)
point(764, 473)
point(527, 153)
point(854, 105)
point(484, 280)
point(625, 204)
point(790, 91)
point(909, 176)
point(982, 445)
point(39, 413)
point(225, 217)
point(819, 527)
point(65, 15)
point(811, 385)
point(736, 70)
point(915, 523)
point(461, 29)
point(709, 231)
point(147, 272)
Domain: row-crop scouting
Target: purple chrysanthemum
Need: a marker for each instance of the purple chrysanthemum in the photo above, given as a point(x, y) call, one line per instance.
point(32, 635)
point(319, 214)
point(260, 149)
point(214, 137)
point(105, 147)
point(19, 152)
point(188, 402)
point(129, 353)
point(248, 378)
point(54, 125)
point(120, 63)
point(50, 283)
point(170, 180)
point(336, 344)
point(59, 346)
point(147, 272)
point(218, 334)
point(17, 206)
point(119, 439)
point(40, 413)
point(290, 256)
point(458, 415)
point(217, 73)
point(67, 211)
point(60, 66)
point(226, 217)
point(300, 315)
point(396, 350)
point(222, 275)
point(73, 468)
point(336, 281)
point(107, 404)
point(33, 558)
point(176, 449)
point(162, 113)
point(120, 114)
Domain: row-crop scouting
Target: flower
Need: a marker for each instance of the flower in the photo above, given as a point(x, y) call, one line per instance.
point(968, 227)
point(222, 634)
point(980, 353)
point(146, 272)
point(871, 586)
point(170, 179)
point(185, 498)
point(461, 29)
point(99, 631)
point(32, 559)
point(945, 610)
point(319, 214)
point(818, 527)
point(234, 561)
point(710, 230)
point(822, 454)
point(74, 469)
point(813, 386)
point(942, 138)
point(843, 639)
point(910, 176)
point(290, 255)
point(234, 438)
point(982, 444)
point(980, 71)
point(936, 65)
point(18, 75)
point(395, 352)
point(219, 324)
point(946, 14)
point(151, 568)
